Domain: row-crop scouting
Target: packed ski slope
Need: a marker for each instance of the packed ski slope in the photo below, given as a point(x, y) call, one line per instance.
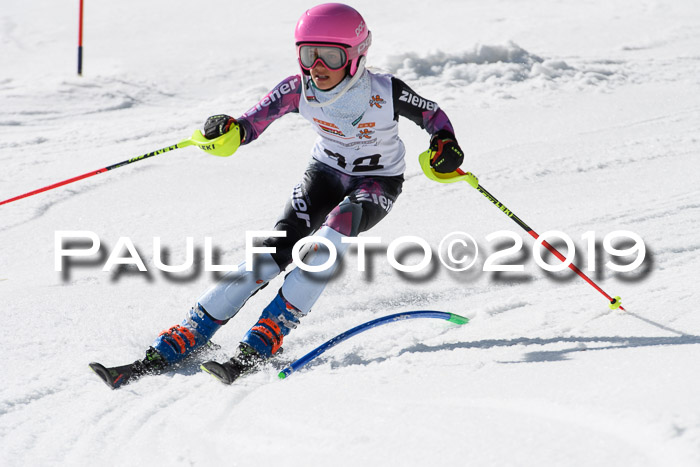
point(578, 116)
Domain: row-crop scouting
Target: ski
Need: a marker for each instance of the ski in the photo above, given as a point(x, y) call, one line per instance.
point(117, 376)
point(245, 361)
point(225, 372)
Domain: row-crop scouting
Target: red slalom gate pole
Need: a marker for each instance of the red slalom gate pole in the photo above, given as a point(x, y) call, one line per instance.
point(80, 40)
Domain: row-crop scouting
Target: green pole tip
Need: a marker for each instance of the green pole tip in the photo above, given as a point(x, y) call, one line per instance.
point(457, 319)
point(282, 375)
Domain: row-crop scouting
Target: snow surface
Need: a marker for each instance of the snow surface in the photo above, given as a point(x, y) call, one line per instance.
point(578, 115)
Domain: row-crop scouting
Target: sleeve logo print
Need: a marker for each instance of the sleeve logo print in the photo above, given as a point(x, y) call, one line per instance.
point(417, 101)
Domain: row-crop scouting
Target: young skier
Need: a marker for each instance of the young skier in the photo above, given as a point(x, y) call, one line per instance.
point(350, 184)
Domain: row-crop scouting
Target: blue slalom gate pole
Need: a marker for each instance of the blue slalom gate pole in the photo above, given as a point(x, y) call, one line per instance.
point(451, 317)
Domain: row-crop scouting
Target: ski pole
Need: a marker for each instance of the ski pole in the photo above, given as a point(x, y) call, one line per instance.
point(224, 146)
point(470, 178)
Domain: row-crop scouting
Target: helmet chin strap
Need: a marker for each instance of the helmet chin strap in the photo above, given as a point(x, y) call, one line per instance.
point(351, 83)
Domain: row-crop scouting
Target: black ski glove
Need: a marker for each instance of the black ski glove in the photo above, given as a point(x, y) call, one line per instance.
point(448, 155)
point(217, 125)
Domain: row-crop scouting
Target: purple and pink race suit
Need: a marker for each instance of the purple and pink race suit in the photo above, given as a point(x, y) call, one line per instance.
point(375, 147)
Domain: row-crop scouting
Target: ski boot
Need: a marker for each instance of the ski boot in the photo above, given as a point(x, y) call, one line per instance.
point(181, 340)
point(170, 347)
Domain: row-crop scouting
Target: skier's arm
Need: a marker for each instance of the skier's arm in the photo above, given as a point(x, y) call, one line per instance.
point(421, 111)
point(283, 99)
point(426, 114)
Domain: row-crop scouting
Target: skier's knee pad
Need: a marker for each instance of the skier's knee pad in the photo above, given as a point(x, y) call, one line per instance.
point(345, 218)
point(224, 299)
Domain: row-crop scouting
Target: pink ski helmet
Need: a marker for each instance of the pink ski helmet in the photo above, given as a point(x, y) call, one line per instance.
point(336, 24)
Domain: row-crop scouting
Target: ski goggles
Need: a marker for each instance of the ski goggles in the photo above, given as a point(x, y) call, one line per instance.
point(333, 57)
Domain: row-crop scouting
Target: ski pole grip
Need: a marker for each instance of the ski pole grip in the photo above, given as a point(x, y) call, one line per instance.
point(223, 146)
point(456, 176)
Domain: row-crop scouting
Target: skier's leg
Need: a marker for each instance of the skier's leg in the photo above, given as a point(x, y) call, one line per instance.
point(319, 191)
point(223, 300)
point(214, 308)
point(304, 212)
point(301, 289)
point(368, 203)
